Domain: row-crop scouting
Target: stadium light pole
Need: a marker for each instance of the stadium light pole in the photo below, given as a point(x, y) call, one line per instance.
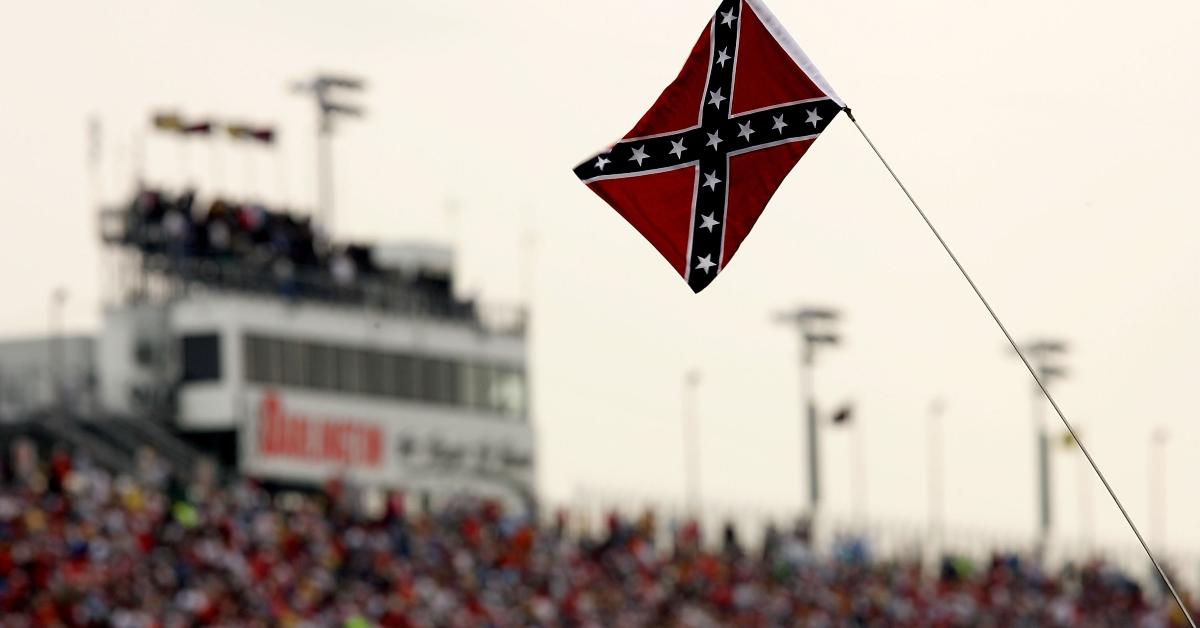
point(858, 475)
point(691, 442)
point(816, 328)
point(1158, 485)
point(56, 358)
point(1045, 355)
point(326, 88)
point(937, 410)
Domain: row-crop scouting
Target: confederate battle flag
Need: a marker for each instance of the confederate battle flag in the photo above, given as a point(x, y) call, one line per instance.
point(696, 172)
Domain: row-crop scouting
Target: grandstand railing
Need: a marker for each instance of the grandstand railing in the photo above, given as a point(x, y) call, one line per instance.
point(182, 457)
point(68, 431)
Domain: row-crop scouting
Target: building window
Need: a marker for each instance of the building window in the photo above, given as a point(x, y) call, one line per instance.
point(201, 357)
point(348, 370)
point(508, 392)
point(262, 360)
point(450, 392)
point(380, 382)
point(407, 375)
point(272, 361)
point(435, 380)
point(293, 356)
point(252, 358)
point(321, 366)
point(469, 386)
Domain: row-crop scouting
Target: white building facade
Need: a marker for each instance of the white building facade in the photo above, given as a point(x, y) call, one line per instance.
point(312, 392)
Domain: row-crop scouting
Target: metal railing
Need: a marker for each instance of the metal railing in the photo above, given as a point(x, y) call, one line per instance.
point(68, 431)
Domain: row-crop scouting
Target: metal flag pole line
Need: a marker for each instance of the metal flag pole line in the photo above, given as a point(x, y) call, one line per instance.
point(1029, 366)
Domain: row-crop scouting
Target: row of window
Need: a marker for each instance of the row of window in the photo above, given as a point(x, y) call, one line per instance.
point(323, 367)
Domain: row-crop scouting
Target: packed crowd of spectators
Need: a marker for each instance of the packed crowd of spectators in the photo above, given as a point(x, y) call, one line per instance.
point(248, 233)
point(80, 547)
point(250, 247)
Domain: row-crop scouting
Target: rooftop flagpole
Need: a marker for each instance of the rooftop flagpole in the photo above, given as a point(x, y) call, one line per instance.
point(1028, 365)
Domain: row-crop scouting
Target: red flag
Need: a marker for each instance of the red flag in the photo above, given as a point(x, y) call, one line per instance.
point(198, 128)
point(266, 135)
point(696, 172)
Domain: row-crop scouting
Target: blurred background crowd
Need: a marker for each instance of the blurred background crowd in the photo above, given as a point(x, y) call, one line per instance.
point(82, 547)
point(252, 247)
point(222, 229)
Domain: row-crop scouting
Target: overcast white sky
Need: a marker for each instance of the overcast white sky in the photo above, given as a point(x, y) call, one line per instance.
point(1052, 142)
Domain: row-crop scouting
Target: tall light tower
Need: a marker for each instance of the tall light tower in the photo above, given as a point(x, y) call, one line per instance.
point(326, 88)
point(936, 490)
point(56, 362)
point(817, 329)
point(691, 443)
point(1158, 485)
point(1046, 355)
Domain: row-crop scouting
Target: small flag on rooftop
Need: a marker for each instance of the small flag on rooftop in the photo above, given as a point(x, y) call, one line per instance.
point(697, 170)
point(203, 127)
point(844, 415)
point(168, 122)
point(265, 135)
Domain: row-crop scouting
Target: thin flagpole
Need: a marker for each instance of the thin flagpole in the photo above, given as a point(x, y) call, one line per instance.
point(1028, 365)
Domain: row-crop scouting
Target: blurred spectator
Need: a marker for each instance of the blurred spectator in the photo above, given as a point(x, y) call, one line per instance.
point(343, 269)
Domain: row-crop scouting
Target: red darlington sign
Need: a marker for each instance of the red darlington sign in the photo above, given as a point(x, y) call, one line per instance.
point(344, 442)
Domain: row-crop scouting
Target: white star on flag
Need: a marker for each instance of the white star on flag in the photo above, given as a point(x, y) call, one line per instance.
point(714, 139)
point(745, 131)
point(711, 181)
point(710, 221)
point(715, 98)
point(601, 163)
point(705, 263)
point(722, 57)
point(728, 18)
point(779, 123)
point(813, 118)
point(677, 149)
point(639, 154)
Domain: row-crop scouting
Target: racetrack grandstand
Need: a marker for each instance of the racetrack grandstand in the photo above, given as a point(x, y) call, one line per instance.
point(80, 546)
